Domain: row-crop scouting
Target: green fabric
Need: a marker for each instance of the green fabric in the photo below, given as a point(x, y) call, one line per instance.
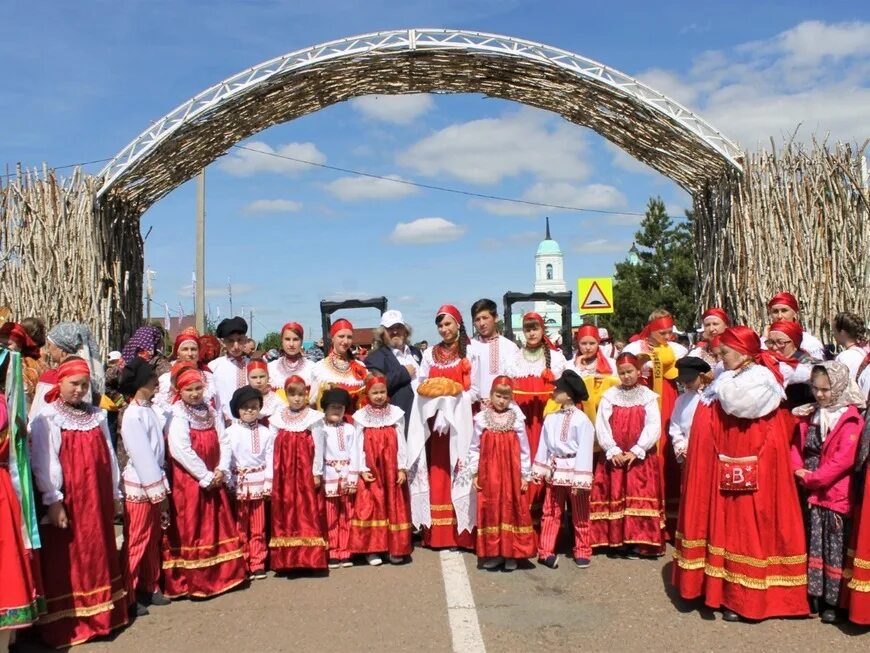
point(19, 617)
point(19, 451)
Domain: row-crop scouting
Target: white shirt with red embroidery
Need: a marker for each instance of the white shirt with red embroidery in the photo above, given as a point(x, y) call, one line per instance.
point(142, 433)
point(333, 446)
point(564, 455)
point(283, 368)
point(251, 445)
point(229, 375)
point(489, 359)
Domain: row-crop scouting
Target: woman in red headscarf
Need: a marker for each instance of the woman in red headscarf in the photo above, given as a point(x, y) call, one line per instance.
point(202, 553)
point(784, 307)
point(745, 551)
point(783, 339)
point(534, 369)
point(597, 370)
point(445, 504)
point(714, 322)
point(292, 361)
point(339, 368)
point(185, 351)
point(77, 474)
point(659, 355)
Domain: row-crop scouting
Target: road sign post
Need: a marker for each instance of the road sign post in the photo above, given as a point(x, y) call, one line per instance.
point(595, 295)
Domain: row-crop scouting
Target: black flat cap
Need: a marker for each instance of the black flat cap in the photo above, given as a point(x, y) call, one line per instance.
point(690, 367)
point(571, 383)
point(335, 396)
point(231, 325)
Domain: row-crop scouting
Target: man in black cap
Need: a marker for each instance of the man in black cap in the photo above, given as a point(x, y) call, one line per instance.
point(694, 374)
point(230, 371)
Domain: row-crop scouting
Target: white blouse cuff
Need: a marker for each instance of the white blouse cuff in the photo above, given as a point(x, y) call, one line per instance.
point(206, 480)
point(613, 451)
point(638, 451)
point(49, 498)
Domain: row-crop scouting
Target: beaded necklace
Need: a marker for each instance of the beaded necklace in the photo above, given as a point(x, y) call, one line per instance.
point(503, 421)
point(443, 355)
point(291, 417)
point(200, 417)
point(289, 367)
point(533, 355)
point(340, 365)
point(378, 416)
point(81, 417)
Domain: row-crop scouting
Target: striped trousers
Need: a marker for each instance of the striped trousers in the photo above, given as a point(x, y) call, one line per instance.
point(251, 524)
point(338, 514)
point(555, 498)
point(142, 536)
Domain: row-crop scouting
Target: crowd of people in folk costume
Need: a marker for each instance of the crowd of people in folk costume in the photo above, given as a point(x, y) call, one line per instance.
point(747, 453)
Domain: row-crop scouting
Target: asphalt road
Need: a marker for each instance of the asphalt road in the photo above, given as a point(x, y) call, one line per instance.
point(615, 605)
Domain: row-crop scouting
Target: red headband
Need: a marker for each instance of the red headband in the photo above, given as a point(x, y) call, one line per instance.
point(185, 336)
point(451, 310)
point(591, 331)
point(294, 380)
point(374, 380)
point(745, 341)
point(793, 330)
point(257, 365)
point(187, 376)
point(502, 380)
point(535, 317)
point(295, 327)
point(67, 369)
point(661, 323)
point(784, 299)
point(716, 312)
point(631, 359)
point(17, 334)
point(338, 326)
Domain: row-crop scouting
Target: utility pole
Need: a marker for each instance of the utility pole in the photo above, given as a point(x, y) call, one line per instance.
point(200, 252)
point(149, 293)
point(251, 322)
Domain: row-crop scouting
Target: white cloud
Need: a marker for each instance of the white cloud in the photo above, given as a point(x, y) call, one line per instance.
point(217, 291)
point(814, 75)
point(271, 206)
point(590, 196)
point(601, 246)
point(397, 109)
point(488, 150)
point(355, 189)
point(258, 157)
point(426, 231)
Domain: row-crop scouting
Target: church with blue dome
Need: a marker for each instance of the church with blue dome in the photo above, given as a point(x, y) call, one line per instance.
point(549, 277)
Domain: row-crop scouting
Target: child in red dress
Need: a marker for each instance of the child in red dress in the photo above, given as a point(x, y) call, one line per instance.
point(76, 471)
point(499, 462)
point(298, 524)
point(627, 506)
point(381, 522)
point(202, 555)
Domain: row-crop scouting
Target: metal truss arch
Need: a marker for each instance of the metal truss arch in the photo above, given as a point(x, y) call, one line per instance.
point(651, 127)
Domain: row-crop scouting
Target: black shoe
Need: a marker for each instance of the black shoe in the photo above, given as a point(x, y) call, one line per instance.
point(159, 599)
point(830, 616)
point(814, 605)
point(138, 610)
point(730, 615)
point(550, 561)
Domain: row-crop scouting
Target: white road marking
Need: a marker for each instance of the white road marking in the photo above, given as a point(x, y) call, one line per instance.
point(461, 611)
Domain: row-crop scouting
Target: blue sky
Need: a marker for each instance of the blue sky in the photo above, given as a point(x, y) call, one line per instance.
point(81, 80)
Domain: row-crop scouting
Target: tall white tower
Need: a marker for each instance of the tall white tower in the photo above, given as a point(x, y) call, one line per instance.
point(549, 277)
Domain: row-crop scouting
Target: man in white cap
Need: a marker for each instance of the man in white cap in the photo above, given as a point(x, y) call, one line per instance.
point(393, 357)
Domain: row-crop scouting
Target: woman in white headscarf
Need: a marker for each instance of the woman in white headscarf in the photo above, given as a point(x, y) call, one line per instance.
point(823, 457)
point(64, 340)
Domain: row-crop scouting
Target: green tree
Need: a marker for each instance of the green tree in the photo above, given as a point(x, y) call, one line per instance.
point(660, 276)
point(271, 340)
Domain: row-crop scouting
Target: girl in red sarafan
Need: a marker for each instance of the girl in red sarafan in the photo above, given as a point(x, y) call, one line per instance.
point(823, 456)
point(76, 471)
point(19, 603)
point(298, 523)
point(627, 507)
point(500, 464)
point(381, 522)
point(203, 555)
